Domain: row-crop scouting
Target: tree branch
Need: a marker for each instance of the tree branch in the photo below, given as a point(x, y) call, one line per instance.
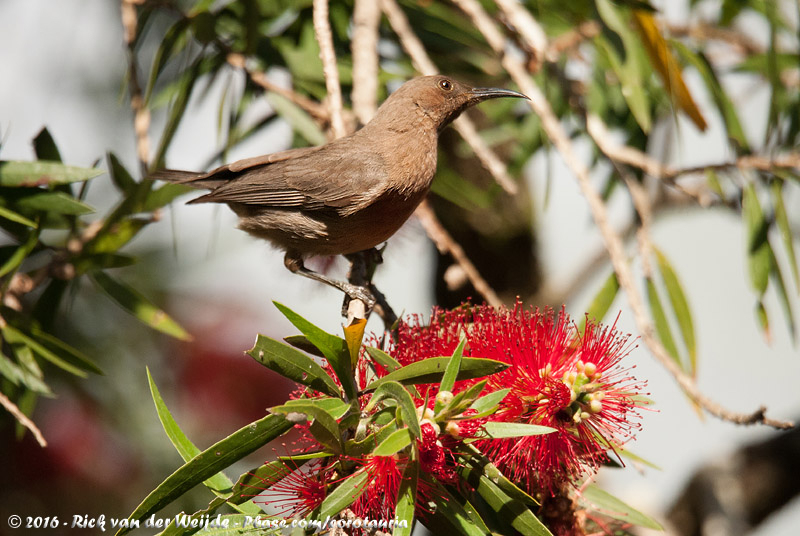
point(613, 242)
point(366, 19)
point(322, 29)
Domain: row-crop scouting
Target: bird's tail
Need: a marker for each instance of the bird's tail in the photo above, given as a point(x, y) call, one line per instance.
point(189, 178)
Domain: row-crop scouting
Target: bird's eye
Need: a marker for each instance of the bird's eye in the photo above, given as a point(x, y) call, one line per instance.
point(446, 84)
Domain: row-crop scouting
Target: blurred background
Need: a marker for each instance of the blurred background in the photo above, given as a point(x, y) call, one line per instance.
point(64, 67)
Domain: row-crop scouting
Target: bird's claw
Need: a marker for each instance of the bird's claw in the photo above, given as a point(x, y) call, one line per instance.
point(356, 292)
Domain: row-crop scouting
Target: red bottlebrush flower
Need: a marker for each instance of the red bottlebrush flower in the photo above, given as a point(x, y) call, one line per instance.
point(379, 499)
point(558, 378)
point(296, 492)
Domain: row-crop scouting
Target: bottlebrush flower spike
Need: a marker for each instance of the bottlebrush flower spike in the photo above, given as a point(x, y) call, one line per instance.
point(558, 377)
point(296, 492)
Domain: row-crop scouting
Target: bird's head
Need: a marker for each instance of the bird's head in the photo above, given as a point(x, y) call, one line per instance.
point(441, 98)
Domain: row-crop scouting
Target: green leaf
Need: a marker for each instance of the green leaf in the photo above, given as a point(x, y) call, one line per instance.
point(136, 304)
point(490, 401)
point(55, 202)
point(680, 306)
point(292, 364)
point(43, 173)
point(383, 359)
point(457, 515)
point(432, 369)
point(17, 218)
point(13, 335)
point(333, 348)
point(407, 407)
point(67, 352)
point(209, 462)
point(785, 228)
point(759, 252)
point(164, 195)
point(19, 376)
point(407, 499)
point(117, 235)
point(500, 430)
point(508, 509)
point(615, 508)
point(344, 495)
point(783, 296)
point(326, 430)
point(397, 441)
point(119, 175)
point(333, 405)
point(21, 253)
point(661, 323)
point(602, 301)
point(45, 146)
point(450, 373)
point(477, 460)
point(219, 483)
point(461, 401)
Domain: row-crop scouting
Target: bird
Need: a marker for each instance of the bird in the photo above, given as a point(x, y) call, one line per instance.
point(350, 194)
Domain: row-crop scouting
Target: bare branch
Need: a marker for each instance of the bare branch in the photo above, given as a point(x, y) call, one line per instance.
point(445, 244)
point(464, 126)
point(322, 29)
point(366, 19)
point(316, 110)
point(613, 242)
point(141, 114)
point(23, 419)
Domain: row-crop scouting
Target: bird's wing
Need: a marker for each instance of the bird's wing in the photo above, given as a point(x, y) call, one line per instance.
point(331, 177)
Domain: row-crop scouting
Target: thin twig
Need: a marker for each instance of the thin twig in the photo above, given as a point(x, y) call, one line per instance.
point(464, 126)
point(314, 109)
point(445, 243)
point(23, 419)
point(366, 20)
point(141, 114)
point(613, 242)
point(322, 29)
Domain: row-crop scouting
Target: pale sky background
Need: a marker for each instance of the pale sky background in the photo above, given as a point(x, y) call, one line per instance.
point(66, 75)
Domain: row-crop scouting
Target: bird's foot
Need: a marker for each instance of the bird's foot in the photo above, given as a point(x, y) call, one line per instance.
point(356, 292)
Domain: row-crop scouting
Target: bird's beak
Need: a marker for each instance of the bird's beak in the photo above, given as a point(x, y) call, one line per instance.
point(480, 94)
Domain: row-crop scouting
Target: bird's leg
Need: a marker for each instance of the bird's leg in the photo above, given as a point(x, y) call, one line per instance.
point(355, 292)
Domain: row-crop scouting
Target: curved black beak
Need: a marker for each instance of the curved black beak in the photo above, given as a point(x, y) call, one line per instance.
point(484, 93)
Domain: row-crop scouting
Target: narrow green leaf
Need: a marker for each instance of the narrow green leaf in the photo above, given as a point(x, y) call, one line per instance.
point(326, 430)
point(432, 369)
point(344, 495)
point(454, 512)
point(508, 509)
point(333, 405)
point(13, 335)
point(219, 483)
point(301, 122)
point(617, 509)
point(55, 202)
point(17, 218)
point(397, 441)
point(451, 372)
point(334, 348)
point(19, 376)
point(45, 146)
point(758, 250)
point(292, 364)
point(763, 320)
point(602, 301)
point(383, 359)
point(399, 393)
point(65, 351)
point(407, 499)
point(43, 173)
point(136, 304)
point(209, 462)
point(164, 195)
point(19, 255)
point(785, 228)
point(119, 175)
point(477, 460)
point(680, 306)
point(661, 323)
point(490, 401)
point(783, 296)
point(117, 235)
point(461, 401)
point(499, 430)
point(301, 342)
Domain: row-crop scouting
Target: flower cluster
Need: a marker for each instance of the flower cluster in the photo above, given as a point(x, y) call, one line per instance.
point(558, 377)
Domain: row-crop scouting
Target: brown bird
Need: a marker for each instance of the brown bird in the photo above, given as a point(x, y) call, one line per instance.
point(348, 195)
